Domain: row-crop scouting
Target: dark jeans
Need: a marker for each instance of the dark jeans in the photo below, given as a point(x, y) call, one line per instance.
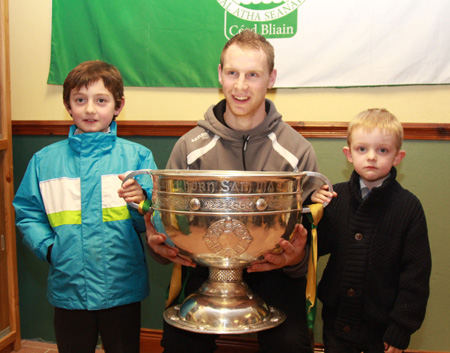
point(77, 331)
point(277, 290)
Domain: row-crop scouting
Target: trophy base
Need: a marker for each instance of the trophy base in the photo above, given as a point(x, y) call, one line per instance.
point(224, 307)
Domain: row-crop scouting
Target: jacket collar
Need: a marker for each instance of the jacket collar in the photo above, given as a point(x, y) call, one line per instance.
point(92, 142)
point(380, 191)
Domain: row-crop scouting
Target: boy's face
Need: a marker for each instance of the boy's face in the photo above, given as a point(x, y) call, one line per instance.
point(93, 108)
point(245, 79)
point(373, 154)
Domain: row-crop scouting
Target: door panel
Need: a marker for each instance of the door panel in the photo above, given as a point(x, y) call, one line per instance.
point(9, 298)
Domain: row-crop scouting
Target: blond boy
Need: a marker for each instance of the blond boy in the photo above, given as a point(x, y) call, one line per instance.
point(375, 286)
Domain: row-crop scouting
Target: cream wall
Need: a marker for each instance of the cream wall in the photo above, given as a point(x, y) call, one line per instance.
point(33, 99)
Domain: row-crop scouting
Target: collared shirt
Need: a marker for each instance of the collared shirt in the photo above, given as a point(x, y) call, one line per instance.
point(365, 189)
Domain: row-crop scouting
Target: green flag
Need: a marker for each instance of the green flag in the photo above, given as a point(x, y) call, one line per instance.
point(152, 43)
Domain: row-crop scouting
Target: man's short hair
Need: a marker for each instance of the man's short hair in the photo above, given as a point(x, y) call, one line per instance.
point(249, 39)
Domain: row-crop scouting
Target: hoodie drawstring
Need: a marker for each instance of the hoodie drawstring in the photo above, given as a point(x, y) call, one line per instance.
point(244, 148)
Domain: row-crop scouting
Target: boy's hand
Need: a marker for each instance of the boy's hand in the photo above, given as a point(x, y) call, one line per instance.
point(131, 191)
point(322, 195)
point(391, 349)
point(292, 254)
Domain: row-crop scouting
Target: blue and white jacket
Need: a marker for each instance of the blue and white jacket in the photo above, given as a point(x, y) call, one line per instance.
point(68, 200)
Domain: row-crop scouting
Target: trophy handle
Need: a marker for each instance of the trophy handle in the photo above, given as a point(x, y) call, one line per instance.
point(143, 206)
point(325, 181)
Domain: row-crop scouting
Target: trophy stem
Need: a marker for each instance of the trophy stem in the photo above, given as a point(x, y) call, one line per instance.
point(226, 275)
point(224, 304)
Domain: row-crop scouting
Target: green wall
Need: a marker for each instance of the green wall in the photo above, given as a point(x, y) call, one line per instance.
point(425, 171)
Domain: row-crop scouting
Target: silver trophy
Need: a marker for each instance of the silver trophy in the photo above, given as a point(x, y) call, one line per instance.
point(225, 220)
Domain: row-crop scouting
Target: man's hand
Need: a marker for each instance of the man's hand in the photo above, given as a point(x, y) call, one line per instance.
point(156, 241)
point(292, 254)
point(130, 191)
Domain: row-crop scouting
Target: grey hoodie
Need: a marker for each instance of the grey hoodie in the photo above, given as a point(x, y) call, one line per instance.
point(271, 146)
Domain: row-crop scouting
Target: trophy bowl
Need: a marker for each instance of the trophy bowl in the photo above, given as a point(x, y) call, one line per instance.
point(225, 220)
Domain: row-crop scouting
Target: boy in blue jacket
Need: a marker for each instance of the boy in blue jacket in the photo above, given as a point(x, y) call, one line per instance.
point(72, 210)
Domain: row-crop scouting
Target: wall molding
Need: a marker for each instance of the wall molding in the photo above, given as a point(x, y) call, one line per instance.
point(412, 131)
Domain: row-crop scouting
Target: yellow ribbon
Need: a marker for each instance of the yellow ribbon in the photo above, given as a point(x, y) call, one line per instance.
point(311, 284)
point(175, 284)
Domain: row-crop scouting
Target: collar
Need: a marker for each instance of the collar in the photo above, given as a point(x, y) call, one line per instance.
point(78, 132)
point(365, 189)
point(219, 111)
point(92, 142)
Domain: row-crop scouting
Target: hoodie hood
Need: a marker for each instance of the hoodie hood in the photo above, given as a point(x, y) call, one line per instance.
point(214, 122)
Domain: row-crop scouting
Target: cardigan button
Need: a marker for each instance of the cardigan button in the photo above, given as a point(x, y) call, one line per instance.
point(350, 292)
point(346, 329)
point(358, 236)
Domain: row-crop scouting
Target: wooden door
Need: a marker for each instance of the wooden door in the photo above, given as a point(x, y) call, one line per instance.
point(5, 327)
point(9, 299)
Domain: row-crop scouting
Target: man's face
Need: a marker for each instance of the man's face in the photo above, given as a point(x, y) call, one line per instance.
point(245, 79)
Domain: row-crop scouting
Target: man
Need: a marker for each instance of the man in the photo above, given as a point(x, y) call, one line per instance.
point(245, 132)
